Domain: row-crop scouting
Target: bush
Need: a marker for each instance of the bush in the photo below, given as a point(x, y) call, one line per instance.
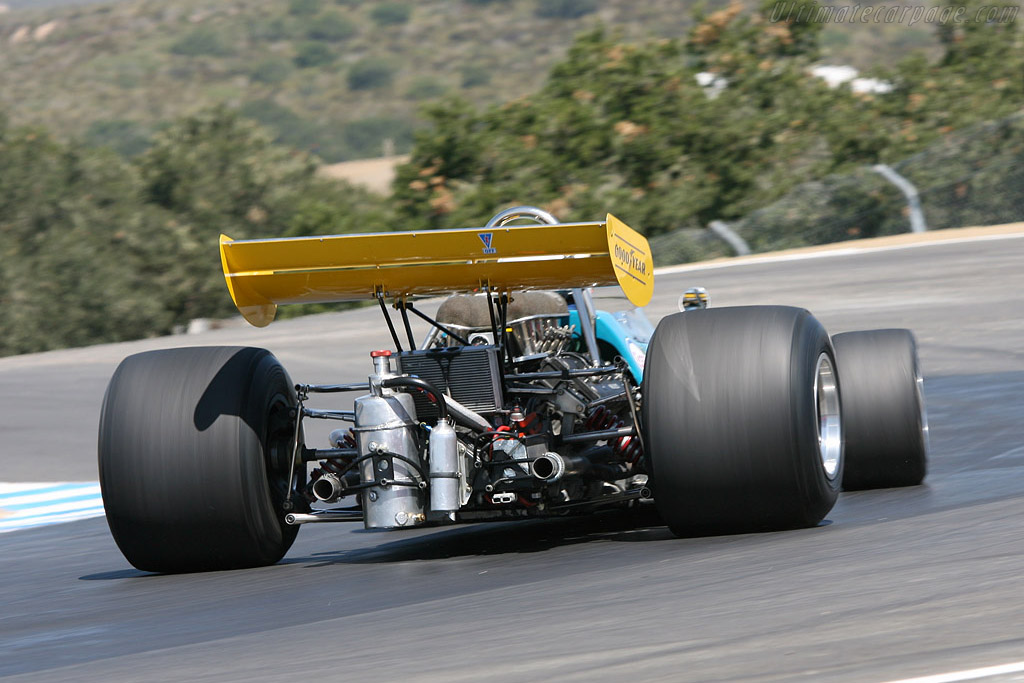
point(332, 27)
point(127, 138)
point(294, 131)
point(687, 245)
point(370, 73)
point(272, 70)
point(565, 9)
point(832, 209)
point(309, 55)
point(474, 75)
point(425, 88)
point(365, 137)
point(204, 40)
point(274, 116)
point(271, 30)
point(303, 8)
point(391, 13)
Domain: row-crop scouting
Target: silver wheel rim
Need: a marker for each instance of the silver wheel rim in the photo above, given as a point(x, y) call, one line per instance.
point(826, 409)
point(919, 388)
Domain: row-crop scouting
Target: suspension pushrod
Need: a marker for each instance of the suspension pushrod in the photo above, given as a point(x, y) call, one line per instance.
point(601, 435)
point(562, 374)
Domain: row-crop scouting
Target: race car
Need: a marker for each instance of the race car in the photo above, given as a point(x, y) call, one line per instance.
point(523, 401)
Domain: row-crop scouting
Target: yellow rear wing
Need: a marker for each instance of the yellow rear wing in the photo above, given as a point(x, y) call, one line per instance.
point(261, 274)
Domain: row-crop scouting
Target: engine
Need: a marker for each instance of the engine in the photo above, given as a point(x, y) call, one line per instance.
point(501, 414)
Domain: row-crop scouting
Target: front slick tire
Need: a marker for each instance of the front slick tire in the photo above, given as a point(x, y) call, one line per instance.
point(193, 452)
point(741, 420)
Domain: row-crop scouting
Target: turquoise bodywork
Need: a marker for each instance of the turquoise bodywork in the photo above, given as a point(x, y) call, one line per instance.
point(628, 332)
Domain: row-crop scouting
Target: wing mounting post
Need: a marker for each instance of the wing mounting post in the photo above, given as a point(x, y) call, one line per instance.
point(402, 305)
point(503, 306)
point(387, 318)
point(492, 314)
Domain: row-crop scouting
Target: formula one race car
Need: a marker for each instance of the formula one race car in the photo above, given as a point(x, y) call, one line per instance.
point(524, 401)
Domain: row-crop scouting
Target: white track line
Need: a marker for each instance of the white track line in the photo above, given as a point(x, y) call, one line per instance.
point(26, 505)
point(968, 675)
point(828, 253)
point(11, 501)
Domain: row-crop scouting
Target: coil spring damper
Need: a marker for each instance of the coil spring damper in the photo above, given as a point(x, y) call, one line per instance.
point(626, 447)
point(332, 471)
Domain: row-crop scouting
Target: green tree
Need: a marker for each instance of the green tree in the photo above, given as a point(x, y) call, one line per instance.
point(127, 138)
point(627, 128)
point(96, 248)
point(73, 229)
point(215, 172)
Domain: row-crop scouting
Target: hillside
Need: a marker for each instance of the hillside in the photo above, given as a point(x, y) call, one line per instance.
point(102, 247)
point(38, 4)
point(343, 78)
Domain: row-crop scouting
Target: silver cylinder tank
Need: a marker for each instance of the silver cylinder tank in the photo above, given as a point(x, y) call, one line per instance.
point(389, 422)
point(445, 477)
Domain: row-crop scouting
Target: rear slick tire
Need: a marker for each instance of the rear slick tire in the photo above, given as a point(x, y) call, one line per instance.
point(883, 407)
point(741, 420)
point(194, 445)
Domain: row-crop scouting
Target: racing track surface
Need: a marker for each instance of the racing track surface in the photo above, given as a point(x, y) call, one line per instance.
point(898, 583)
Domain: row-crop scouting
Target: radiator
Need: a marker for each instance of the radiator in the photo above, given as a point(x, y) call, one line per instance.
point(469, 374)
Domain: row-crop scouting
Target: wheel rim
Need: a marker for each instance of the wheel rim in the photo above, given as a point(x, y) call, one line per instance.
point(826, 408)
point(919, 388)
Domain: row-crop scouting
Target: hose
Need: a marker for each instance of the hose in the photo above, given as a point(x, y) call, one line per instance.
point(422, 385)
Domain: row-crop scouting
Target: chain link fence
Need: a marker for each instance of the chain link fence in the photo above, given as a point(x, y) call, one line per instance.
point(974, 177)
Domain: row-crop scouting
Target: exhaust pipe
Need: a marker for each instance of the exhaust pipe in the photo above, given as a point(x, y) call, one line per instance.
point(328, 488)
point(551, 467)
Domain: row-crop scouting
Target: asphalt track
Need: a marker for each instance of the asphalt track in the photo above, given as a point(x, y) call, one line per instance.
point(896, 584)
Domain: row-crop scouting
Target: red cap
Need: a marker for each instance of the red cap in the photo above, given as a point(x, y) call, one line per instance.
point(381, 352)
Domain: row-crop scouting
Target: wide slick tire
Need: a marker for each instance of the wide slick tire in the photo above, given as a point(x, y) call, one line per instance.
point(883, 409)
point(193, 451)
point(741, 420)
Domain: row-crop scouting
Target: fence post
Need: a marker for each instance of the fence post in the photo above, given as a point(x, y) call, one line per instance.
point(917, 223)
point(722, 229)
